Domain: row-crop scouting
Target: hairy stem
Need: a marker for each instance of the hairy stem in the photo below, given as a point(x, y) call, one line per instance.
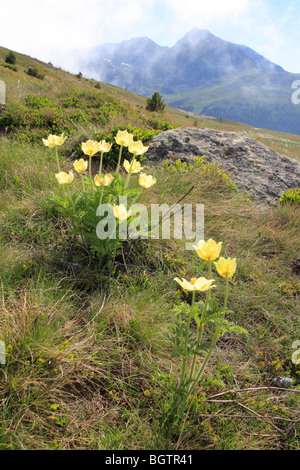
point(129, 173)
point(184, 361)
point(57, 159)
point(119, 160)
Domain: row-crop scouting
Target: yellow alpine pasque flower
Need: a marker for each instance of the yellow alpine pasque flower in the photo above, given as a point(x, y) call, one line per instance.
point(106, 181)
point(226, 267)
point(90, 147)
point(120, 212)
point(137, 148)
point(80, 165)
point(296, 357)
point(146, 181)
point(54, 140)
point(200, 284)
point(209, 251)
point(136, 166)
point(104, 146)
point(64, 178)
point(123, 138)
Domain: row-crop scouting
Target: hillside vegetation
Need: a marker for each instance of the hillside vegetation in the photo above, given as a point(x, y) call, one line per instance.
point(95, 349)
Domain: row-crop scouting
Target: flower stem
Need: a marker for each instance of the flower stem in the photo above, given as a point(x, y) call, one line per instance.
point(101, 196)
point(72, 202)
point(214, 340)
point(119, 161)
point(100, 167)
point(183, 372)
point(226, 292)
point(83, 186)
point(90, 172)
point(201, 325)
point(200, 331)
point(90, 166)
point(200, 372)
point(129, 173)
point(57, 159)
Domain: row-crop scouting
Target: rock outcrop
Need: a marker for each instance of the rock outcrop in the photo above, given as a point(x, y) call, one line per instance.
point(254, 168)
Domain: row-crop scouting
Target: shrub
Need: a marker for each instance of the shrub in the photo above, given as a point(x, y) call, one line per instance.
point(37, 102)
point(155, 103)
point(10, 58)
point(34, 72)
point(11, 67)
point(36, 115)
point(160, 125)
point(292, 196)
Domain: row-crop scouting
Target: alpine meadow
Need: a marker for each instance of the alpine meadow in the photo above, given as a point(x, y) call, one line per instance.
point(135, 342)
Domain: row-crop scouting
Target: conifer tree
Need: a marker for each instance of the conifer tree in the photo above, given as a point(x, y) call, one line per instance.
point(10, 58)
point(155, 103)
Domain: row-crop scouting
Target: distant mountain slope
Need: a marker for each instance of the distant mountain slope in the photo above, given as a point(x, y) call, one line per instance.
point(203, 74)
point(64, 102)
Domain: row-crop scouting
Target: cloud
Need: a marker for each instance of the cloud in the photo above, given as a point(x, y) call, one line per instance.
point(58, 31)
point(203, 12)
point(79, 23)
point(61, 22)
point(276, 33)
point(180, 16)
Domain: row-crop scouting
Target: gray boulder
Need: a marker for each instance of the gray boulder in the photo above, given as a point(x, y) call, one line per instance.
point(254, 168)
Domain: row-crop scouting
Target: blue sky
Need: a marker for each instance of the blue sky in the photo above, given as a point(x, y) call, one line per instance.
point(56, 31)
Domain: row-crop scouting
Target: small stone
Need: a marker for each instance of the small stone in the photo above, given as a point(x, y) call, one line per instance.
point(72, 266)
point(283, 382)
point(2, 93)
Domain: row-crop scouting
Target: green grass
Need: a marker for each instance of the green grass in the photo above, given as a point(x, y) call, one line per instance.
point(89, 359)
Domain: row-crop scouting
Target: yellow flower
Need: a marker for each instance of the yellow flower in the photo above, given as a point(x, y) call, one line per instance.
point(226, 267)
point(209, 251)
point(200, 284)
point(136, 167)
point(64, 178)
point(54, 140)
point(106, 181)
point(120, 212)
point(80, 165)
point(104, 146)
point(124, 138)
point(146, 181)
point(137, 148)
point(296, 357)
point(90, 147)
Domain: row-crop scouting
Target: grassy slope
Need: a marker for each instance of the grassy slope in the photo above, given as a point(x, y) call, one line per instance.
point(82, 351)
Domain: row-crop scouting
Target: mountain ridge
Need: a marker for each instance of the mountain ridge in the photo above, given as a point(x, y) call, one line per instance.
point(202, 73)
